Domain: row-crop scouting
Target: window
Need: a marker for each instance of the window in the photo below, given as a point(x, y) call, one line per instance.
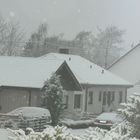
point(65, 51)
point(66, 99)
point(104, 98)
point(120, 97)
point(109, 98)
point(113, 96)
point(77, 101)
point(90, 100)
point(100, 96)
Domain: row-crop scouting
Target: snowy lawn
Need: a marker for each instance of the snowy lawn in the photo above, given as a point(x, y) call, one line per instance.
point(5, 134)
point(78, 132)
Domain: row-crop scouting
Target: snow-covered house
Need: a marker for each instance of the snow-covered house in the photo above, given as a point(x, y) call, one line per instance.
point(21, 80)
point(128, 67)
point(88, 87)
point(101, 90)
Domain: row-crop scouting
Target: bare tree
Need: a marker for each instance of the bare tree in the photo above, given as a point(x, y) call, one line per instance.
point(86, 41)
point(41, 43)
point(102, 48)
point(108, 45)
point(35, 45)
point(11, 38)
point(3, 26)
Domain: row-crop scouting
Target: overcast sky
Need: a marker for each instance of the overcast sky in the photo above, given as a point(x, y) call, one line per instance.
point(72, 16)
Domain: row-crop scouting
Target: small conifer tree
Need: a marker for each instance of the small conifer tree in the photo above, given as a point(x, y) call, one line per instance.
point(52, 97)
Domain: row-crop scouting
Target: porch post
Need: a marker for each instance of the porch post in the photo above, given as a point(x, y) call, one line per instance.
point(86, 97)
point(29, 101)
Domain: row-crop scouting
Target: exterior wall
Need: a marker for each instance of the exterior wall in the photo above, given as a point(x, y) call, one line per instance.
point(71, 95)
point(12, 98)
point(129, 69)
point(97, 107)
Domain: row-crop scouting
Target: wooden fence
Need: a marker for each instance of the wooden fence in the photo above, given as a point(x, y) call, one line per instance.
point(18, 122)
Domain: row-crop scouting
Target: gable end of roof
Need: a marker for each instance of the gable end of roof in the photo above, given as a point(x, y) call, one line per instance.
point(138, 45)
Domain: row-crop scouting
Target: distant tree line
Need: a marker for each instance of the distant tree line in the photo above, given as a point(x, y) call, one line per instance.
point(102, 48)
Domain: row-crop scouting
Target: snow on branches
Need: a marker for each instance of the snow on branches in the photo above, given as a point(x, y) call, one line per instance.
point(62, 133)
point(131, 113)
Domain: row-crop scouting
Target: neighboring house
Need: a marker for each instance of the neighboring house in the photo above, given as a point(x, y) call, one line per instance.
point(88, 87)
point(128, 67)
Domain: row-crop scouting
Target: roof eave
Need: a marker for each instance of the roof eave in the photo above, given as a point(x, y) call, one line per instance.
point(117, 85)
point(20, 87)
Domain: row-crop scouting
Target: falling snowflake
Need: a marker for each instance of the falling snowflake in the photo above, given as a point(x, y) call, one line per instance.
point(54, 2)
point(12, 14)
point(79, 10)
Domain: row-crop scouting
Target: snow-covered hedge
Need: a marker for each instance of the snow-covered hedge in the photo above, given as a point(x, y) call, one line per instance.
point(50, 133)
point(61, 133)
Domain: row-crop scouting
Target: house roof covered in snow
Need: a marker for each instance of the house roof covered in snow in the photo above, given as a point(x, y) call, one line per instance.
point(33, 72)
point(85, 71)
point(26, 72)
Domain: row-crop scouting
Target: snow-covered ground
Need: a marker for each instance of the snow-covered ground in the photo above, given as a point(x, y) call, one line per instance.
point(5, 134)
point(78, 132)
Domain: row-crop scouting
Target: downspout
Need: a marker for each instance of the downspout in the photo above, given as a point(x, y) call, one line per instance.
point(29, 100)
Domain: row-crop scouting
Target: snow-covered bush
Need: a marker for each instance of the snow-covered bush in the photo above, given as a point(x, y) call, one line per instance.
point(50, 133)
point(131, 114)
point(52, 97)
point(62, 133)
point(101, 134)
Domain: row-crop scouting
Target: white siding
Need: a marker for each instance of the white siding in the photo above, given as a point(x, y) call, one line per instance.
point(129, 69)
point(71, 95)
point(97, 106)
